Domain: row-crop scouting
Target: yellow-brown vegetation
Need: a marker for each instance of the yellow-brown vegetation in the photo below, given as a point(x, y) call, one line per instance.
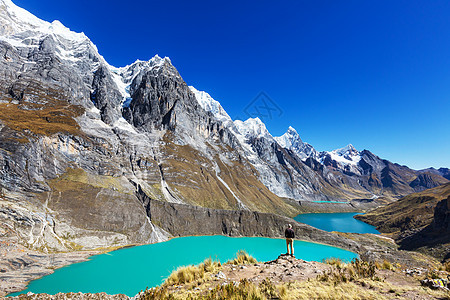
point(356, 280)
point(413, 211)
point(42, 111)
point(193, 177)
point(447, 266)
point(187, 274)
point(242, 258)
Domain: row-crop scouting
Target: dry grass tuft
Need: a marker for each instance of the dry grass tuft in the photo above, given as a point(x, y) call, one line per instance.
point(192, 273)
point(343, 273)
point(242, 258)
point(447, 266)
point(241, 291)
point(334, 261)
point(160, 293)
point(386, 265)
point(324, 290)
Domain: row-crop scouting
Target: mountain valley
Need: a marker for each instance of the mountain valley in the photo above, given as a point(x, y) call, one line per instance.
point(95, 157)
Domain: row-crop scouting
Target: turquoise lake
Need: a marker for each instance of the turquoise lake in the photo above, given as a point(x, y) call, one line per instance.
point(335, 202)
point(130, 270)
point(343, 222)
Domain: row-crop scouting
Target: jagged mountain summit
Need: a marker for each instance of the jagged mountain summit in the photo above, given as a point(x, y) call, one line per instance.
point(291, 140)
point(87, 148)
point(211, 105)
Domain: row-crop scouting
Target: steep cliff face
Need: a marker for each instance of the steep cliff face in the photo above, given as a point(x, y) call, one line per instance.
point(180, 220)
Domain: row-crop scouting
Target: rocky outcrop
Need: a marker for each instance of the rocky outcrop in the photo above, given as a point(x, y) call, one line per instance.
point(161, 100)
point(105, 95)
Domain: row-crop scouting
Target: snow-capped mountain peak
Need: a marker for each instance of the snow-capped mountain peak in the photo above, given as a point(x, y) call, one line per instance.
point(17, 21)
point(211, 105)
point(252, 127)
point(291, 139)
point(345, 156)
point(291, 129)
point(348, 150)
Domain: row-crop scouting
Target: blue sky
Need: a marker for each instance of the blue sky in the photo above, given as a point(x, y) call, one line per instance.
point(375, 74)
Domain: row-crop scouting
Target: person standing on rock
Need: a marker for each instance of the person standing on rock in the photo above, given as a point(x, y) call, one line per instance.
point(290, 235)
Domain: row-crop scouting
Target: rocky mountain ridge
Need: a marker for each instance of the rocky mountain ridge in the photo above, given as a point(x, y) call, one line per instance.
point(355, 174)
point(444, 172)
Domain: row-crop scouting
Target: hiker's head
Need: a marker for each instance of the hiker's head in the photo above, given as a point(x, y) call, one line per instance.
point(289, 225)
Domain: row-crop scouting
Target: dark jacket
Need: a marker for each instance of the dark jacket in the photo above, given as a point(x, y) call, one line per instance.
point(289, 233)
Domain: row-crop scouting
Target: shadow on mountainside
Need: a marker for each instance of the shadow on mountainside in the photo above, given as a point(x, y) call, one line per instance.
point(435, 236)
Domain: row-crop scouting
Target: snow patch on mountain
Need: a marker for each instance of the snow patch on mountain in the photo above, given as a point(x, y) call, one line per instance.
point(346, 156)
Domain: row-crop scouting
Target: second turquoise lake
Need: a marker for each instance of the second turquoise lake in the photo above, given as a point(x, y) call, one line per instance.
point(343, 222)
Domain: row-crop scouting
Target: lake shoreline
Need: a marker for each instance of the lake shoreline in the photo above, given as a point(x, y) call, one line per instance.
point(17, 278)
point(380, 247)
point(32, 270)
point(37, 265)
point(17, 268)
point(31, 265)
point(285, 275)
point(27, 265)
point(337, 221)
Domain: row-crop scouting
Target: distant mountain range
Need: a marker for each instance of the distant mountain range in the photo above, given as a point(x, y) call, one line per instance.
point(357, 174)
point(444, 172)
point(85, 147)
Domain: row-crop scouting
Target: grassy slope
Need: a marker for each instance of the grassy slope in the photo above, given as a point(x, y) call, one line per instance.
point(195, 180)
point(42, 111)
point(410, 221)
point(288, 278)
point(414, 211)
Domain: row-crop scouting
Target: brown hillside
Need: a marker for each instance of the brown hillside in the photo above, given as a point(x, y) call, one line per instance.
point(418, 221)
